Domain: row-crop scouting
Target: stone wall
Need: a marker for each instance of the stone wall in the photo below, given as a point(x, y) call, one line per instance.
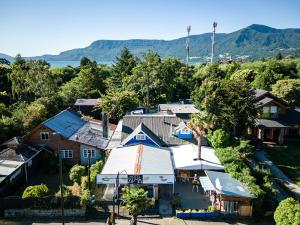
point(10, 213)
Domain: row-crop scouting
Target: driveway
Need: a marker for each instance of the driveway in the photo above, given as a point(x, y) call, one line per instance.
point(261, 156)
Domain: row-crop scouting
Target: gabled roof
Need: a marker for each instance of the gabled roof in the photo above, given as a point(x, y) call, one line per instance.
point(264, 97)
point(224, 184)
point(161, 125)
point(181, 126)
point(66, 123)
point(87, 101)
point(143, 128)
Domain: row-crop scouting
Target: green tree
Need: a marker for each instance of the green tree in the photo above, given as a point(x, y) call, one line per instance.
point(229, 104)
point(122, 68)
point(245, 74)
point(219, 139)
point(118, 103)
point(287, 212)
point(88, 84)
point(35, 191)
point(278, 56)
point(76, 172)
point(288, 90)
point(146, 81)
point(31, 79)
point(135, 201)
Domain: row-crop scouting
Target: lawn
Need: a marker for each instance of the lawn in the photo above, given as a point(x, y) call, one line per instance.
point(287, 158)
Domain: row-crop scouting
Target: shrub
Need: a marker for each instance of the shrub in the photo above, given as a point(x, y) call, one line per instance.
point(35, 191)
point(85, 197)
point(66, 192)
point(220, 139)
point(287, 212)
point(84, 183)
point(76, 173)
point(95, 169)
point(212, 209)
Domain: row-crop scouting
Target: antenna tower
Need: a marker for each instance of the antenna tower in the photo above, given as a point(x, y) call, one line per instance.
point(188, 29)
point(213, 42)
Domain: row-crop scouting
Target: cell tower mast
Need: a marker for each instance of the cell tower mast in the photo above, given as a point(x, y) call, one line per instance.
point(213, 42)
point(188, 29)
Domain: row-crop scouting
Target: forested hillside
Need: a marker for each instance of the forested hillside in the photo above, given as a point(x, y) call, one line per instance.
point(252, 42)
point(31, 91)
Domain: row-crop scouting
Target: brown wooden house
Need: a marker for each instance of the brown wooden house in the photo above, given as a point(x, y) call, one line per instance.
point(277, 121)
point(75, 138)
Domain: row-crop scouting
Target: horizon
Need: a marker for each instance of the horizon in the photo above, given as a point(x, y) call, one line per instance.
point(50, 27)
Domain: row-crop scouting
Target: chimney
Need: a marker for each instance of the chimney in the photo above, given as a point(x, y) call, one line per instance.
point(104, 125)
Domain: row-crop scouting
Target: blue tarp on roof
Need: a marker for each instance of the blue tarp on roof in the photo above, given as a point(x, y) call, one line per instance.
point(66, 123)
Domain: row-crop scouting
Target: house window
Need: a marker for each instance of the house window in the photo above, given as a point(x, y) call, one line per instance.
point(265, 109)
point(273, 109)
point(66, 154)
point(44, 135)
point(87, 152)
point(140, 137)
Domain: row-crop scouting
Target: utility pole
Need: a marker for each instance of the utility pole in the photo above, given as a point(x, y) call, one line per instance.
point(57, 134)
point(188, 29)
point(89, 165)
point(213, 42)
point(61, 189)
point(148, 91)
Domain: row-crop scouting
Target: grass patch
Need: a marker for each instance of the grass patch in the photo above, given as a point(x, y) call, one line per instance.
point(286, 157)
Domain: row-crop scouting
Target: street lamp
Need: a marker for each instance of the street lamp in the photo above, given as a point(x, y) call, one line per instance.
point(60, 179)
point(116, 194)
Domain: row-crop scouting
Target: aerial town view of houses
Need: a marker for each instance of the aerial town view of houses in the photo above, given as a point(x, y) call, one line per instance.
point(152, 123)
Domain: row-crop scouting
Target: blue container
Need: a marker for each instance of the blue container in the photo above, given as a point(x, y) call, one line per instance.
point(212, 214)
point(198, 214)
point(183, 214)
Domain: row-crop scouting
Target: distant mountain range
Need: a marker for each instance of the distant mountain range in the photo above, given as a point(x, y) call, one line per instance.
point(253, 42)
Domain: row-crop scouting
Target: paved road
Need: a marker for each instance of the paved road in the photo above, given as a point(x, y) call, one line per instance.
point(164, 221)
point(261, 156)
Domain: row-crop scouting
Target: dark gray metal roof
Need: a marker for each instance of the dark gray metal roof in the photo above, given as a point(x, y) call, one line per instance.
point(142, 127)
point(226, 185)
point(263, 102)
point(87, 101)
point(21, 154)
point(259, 92)
point(91, 133)
point(65, 123)
point(290, 119)
point(162, 126)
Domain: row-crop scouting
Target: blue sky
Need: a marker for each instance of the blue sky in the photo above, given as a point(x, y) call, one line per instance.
point(36, 27)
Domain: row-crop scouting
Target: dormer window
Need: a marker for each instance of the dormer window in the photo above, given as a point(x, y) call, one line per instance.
point(140, 137)
point(185, 131)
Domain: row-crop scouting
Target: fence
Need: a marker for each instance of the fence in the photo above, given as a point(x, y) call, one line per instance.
point(42, 203)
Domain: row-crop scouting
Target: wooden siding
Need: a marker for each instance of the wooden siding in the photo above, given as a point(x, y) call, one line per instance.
point(54, 142)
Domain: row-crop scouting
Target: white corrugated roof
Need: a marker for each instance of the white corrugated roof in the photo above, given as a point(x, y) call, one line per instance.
point(184, 155)
point(149, 159)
